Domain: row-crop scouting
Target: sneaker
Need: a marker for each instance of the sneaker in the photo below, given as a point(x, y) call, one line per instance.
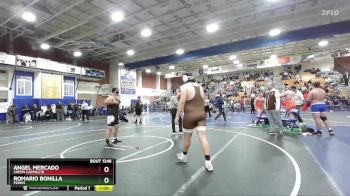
point(181, 133)
point(280, 133)
point(331, 132)
point(135, 122)
point(108, 145)
point(272, 132)
point(182, 158)
point(116, 141)
point(174, 133)
point(208, 166)
point(318, 133)
point(140, 122)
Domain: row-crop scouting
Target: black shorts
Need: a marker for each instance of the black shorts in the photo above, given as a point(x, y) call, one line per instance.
point(112, 120)
point(138, 112)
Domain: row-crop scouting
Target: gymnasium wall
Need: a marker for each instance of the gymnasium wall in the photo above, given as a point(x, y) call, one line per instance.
point(324, 64)
point(342, 64)
point(163, 83)
point(176, 82)
point(25, 48)
point(149, 80)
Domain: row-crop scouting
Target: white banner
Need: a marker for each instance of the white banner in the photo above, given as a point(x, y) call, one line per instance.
point(7, 59)
point(4, 106)
point(50, 65)
point(127, 82)
point(214, 70)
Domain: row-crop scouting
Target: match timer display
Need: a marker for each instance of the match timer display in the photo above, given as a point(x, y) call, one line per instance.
point(93, 174)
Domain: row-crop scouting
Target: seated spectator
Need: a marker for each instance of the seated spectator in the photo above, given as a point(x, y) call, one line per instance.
point(26, 114)
point(43, 112)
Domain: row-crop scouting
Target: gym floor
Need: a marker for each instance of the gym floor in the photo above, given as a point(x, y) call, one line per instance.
point(247, 161)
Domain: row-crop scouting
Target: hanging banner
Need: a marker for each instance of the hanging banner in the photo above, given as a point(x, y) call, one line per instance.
point(25, 61)
point(127, 82)
point(51, 86)
point(214, 70)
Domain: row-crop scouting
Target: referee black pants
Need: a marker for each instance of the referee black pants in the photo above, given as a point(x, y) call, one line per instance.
point(173, 115)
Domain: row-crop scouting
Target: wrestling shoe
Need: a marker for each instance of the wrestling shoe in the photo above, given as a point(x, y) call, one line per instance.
point(331, 132)
point(208, 166)
point(116, 141)
point(108, 145)
point(318, 133)
point(174, 133)
point(181, 133)
point(182, 158)
point(272, 132)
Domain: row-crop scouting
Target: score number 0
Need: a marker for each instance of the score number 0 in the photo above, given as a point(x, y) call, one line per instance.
point(106, 179)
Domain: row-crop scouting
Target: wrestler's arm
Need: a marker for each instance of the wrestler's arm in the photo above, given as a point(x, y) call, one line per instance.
point(308, 102)
point(182, 101)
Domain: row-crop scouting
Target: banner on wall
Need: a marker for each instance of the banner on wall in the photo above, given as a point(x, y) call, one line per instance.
point(214, 70)
point(4, 106)
point(127, 82)
point(51, 86)
point(25, 61)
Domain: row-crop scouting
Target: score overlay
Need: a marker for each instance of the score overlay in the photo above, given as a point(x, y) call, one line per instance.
point(91, 174)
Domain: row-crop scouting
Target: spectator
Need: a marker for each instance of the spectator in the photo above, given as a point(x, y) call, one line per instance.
point(220, 105)
point(36, 112)
point(26, 114)
point(346, 78)
point(59, 111)
point(11, 114)
point(85, 111)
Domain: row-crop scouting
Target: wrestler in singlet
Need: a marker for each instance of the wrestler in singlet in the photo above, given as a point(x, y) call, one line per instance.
point(316, 99)
point(289, 100)
point(259, 102)
point(194, 112)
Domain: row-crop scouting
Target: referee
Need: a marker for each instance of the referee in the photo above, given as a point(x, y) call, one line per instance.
point(112, 102)
point(174, 100)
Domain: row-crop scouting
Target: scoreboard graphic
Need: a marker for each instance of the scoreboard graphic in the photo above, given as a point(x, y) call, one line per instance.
point(92, 174)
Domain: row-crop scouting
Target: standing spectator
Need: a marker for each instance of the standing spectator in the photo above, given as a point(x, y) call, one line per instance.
point(174, 101)
point(76, 114)
point(220, 106)
point(85, 111)
point(59, 111)
point(252, 105)
point(273, 104)
point(241, 102)
point(36, 112)
point(206, 106)
point(346, 78)
point(11, 114)
point(53, 112)
point(138, 110)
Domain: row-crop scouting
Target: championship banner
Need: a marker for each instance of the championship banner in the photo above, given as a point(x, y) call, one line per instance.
point(128, 82)
point(214, 70)
point(25, 61)
point(51, 86)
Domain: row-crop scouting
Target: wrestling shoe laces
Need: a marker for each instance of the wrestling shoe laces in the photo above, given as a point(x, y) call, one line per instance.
point(182, 158)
